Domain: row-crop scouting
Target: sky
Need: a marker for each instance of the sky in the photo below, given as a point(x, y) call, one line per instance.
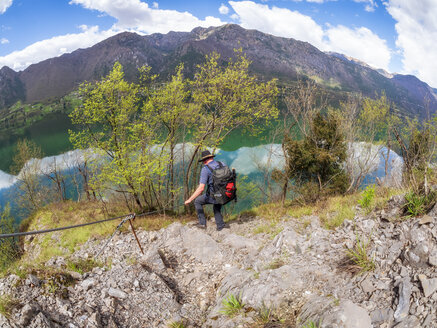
point(396, 35)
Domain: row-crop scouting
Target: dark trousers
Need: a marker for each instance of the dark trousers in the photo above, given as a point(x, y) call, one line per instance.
point(204, 200)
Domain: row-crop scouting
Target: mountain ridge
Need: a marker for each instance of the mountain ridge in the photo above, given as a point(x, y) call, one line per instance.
point(285, 58)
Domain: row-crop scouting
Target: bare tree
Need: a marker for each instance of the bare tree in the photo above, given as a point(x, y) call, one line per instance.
point(31, 192)
point(365, 121)
point(54, 174)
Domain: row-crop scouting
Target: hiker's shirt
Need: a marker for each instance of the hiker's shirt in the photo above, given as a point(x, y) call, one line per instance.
point(206, 178)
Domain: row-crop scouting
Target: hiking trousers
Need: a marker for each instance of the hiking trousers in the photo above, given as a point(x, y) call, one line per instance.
point(204, 200)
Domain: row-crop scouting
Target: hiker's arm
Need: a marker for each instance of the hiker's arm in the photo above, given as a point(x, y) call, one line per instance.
point(196, 194)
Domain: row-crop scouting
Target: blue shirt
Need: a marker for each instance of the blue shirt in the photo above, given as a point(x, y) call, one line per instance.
point(206, 175)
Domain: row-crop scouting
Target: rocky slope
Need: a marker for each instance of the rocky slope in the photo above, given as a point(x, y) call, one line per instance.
point(296, 268)
point(11, 87)
point(286, 59)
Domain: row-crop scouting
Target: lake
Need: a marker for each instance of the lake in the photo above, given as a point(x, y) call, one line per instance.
point(249, 162)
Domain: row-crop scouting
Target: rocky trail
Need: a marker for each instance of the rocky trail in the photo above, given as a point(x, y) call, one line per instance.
point(290, 274)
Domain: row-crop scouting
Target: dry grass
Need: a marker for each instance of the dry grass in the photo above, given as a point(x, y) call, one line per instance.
point(334, 210)
point(63, 243)
point(272, 211)
point(7, 304)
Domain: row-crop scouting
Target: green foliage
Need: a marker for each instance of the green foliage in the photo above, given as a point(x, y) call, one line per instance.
point(373, 119)
point(367, 198)
point(360, 257)
point(135, 128)
point(230, 98)
point(315, 163)
point(417, 157)
point(419, 148)
point(232, 305)
point(110, 125)
point(417, 205)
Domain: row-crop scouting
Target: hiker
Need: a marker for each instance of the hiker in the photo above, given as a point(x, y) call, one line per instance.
point(209, 164)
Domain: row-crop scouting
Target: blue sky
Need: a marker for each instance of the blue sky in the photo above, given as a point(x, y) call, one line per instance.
point(396, 35)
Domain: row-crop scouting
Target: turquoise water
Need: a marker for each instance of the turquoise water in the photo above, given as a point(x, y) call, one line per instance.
point(51, 135)
point(249, 162)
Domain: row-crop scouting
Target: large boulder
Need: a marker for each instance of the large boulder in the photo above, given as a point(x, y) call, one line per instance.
point(334, 314)
point(200, 245)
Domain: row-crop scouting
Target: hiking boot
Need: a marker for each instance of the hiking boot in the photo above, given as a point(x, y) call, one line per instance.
point(226, 226)
point(200, 226)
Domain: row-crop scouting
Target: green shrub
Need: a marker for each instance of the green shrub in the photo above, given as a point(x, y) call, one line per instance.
point(232, 305)
point(367, 198)
point(416, 205)
point(315, 162)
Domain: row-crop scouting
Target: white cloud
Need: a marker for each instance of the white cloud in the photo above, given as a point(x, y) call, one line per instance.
point(53, 47)
point(371, 5)
point(417, 34)
point(131, 15)
point(360, 43)
point(278, 21)
point(4, 5)
point(134, 15)
point(4, 41)
point(223, 10)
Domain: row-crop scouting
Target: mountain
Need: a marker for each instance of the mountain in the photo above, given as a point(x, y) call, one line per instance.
point(11, 87)
point(286, 59)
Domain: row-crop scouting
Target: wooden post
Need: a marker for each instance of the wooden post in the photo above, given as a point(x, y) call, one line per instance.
point(135, 234)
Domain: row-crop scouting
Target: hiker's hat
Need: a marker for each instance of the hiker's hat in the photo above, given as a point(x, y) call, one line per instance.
point(205, 154)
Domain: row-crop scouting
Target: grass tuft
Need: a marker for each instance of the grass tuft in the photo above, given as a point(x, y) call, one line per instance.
point(83, 265)
point(264, 315)
point(360, 257)
point(311, 324)
point(417, 205)
point(176, 324)
point(231, 305)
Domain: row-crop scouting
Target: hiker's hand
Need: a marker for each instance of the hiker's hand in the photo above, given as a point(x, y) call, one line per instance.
point(187, 202)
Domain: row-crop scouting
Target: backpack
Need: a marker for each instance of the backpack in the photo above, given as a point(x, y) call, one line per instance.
point(224, 184)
